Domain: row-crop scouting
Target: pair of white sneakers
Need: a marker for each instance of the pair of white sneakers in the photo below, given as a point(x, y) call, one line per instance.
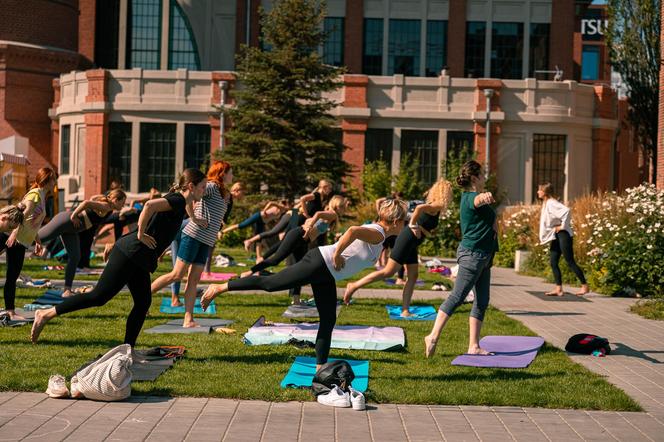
point(339, 398)
point(57, 388)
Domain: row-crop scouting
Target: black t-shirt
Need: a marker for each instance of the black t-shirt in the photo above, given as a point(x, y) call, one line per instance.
point(163, 226)
point(315, 205)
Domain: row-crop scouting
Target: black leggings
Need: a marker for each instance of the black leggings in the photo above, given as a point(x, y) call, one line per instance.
point(310, 270)
point(563, 245)
point(293, 243)
point(119, 271)
point(62, 226)
point(15, 257)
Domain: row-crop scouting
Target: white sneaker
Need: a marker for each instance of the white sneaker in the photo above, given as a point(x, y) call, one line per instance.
point(335, 398)
point(57, 387)
point(357, 399)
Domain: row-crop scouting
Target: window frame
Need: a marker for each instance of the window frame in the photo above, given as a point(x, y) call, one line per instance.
point(396, 40)
point(162, 180)
point(65, 155)
point(378, 23)
point(545, 170)
point(130, 34)
point(174, 6)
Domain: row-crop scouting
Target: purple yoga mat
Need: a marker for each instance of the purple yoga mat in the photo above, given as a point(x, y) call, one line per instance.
point(510, 352)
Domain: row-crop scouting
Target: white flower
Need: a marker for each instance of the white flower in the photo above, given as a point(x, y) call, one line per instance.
point(649, 246)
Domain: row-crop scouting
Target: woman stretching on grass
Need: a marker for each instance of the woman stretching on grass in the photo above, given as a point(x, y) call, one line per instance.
point(556, 229)
point(32, 214)
point(134, 257)
point(321, 267)
point(198, 237)
point(68, 224)
point(475, 257)
point(270, 212)
point(422, 223)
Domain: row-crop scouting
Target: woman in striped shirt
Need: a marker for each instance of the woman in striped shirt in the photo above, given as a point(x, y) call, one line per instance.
point(199, 236)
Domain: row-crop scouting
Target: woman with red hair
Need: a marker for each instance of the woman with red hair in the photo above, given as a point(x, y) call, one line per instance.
point(199, 236)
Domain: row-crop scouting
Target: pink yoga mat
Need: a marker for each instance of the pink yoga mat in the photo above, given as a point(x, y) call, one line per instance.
point(509, 352)
point(216, 277)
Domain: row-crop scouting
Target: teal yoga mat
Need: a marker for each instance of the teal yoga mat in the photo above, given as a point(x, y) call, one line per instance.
point(419, 312)
point(302, 372)
point(166, 307)
point(50, 296)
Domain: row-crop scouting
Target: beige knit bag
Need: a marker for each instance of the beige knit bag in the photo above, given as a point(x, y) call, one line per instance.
point(108, 378)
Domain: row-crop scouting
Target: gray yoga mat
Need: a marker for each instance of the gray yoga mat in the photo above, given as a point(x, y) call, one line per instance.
point(149, 370)
point(175, 326)
point(304, 311)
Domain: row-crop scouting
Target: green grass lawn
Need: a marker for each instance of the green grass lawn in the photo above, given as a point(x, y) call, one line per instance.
point(222, 366)
point(649, 309)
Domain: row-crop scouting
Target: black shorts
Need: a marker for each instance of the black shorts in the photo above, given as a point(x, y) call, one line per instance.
point(405, 249)
point(389, 242)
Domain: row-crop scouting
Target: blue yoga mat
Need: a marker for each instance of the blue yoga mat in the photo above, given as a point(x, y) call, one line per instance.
point(166, 307)
point(419, 312)
point(302, 372)
point(50, 296)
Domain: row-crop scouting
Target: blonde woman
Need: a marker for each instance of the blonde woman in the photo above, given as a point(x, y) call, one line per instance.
point(556, 229)
point(68, 224)
point(321, 267)
point(423, 222)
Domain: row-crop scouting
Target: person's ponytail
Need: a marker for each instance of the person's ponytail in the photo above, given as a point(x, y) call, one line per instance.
point(193, 176)
point(470, 169)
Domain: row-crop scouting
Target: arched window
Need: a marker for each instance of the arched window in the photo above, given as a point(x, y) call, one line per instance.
point(182, 49)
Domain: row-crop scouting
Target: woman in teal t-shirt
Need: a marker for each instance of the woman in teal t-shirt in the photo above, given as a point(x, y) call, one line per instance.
point(474, 255)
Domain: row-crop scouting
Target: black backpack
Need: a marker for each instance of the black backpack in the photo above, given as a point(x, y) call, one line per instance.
point(586, 343)
point(337, 372)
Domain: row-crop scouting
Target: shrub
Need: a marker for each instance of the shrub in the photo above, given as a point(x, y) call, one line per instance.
point(408, 182)
point(376, 180)
point(515, 232)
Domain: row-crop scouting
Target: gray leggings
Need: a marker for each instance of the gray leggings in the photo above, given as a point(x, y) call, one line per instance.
point(62, 226)
point(474, 271)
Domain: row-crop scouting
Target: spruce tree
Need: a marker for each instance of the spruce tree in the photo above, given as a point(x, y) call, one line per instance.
point(282, 135)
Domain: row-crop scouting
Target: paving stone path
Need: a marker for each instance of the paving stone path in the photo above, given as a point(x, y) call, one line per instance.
point(634, 366)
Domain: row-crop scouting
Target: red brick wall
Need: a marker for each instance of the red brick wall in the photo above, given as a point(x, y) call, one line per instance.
point(26, 94)
point(354, 133)
point(660, 135)
point(354, 36)
point(40, 22)
point(86, 28)
point(562, 43)
point(456, 37)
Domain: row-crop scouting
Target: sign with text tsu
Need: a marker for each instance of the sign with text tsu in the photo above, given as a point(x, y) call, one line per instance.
point(593, 25)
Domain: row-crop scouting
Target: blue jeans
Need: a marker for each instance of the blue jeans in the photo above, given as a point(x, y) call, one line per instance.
point(175, 246)
point(474, 271)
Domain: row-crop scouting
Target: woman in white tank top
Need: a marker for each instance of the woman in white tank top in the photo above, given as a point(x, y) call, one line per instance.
point(356, 250)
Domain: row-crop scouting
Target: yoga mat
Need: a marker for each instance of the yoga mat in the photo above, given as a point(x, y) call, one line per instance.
point(165, 307)
point(419, 312)
point(148, 364)
point(392, 281)
point(50, 296)
point(89, 272)
point(353, 337)
point(567, 297)
point(510, 352)
point(304, 311)
point(175, 326)
point(217, 277)
point(302, 372)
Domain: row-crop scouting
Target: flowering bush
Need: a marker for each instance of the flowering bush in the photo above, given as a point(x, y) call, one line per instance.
point(515, 232)
point(618, 241)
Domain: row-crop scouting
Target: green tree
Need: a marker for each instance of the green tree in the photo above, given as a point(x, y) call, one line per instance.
point(376, 180)
point(283, 138)
point(632, 36)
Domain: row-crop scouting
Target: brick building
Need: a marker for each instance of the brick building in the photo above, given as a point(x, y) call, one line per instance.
point(146, 110)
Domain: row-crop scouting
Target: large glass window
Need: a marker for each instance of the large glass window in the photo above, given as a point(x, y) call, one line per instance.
point(196, 145)
point(182, 49)
point(475, 40)
point(423, 146)
point(460, 148)
point(507, 50)
point(549, 162)
point(436, 47)
point(378, 146)
point(65, 140)
point(144, 34)
point(539, 50)
point(372, 60)
point(157, 159)
point(107, 24)
point(404, 48)
point(119, 153)
point(333, 48)
point(590, 62)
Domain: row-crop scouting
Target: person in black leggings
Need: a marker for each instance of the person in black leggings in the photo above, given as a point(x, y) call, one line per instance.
point(67, 225)
point(404, 254)
point(321, 267)
point(556, 229)
point(11, 217)
point(134, 257)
